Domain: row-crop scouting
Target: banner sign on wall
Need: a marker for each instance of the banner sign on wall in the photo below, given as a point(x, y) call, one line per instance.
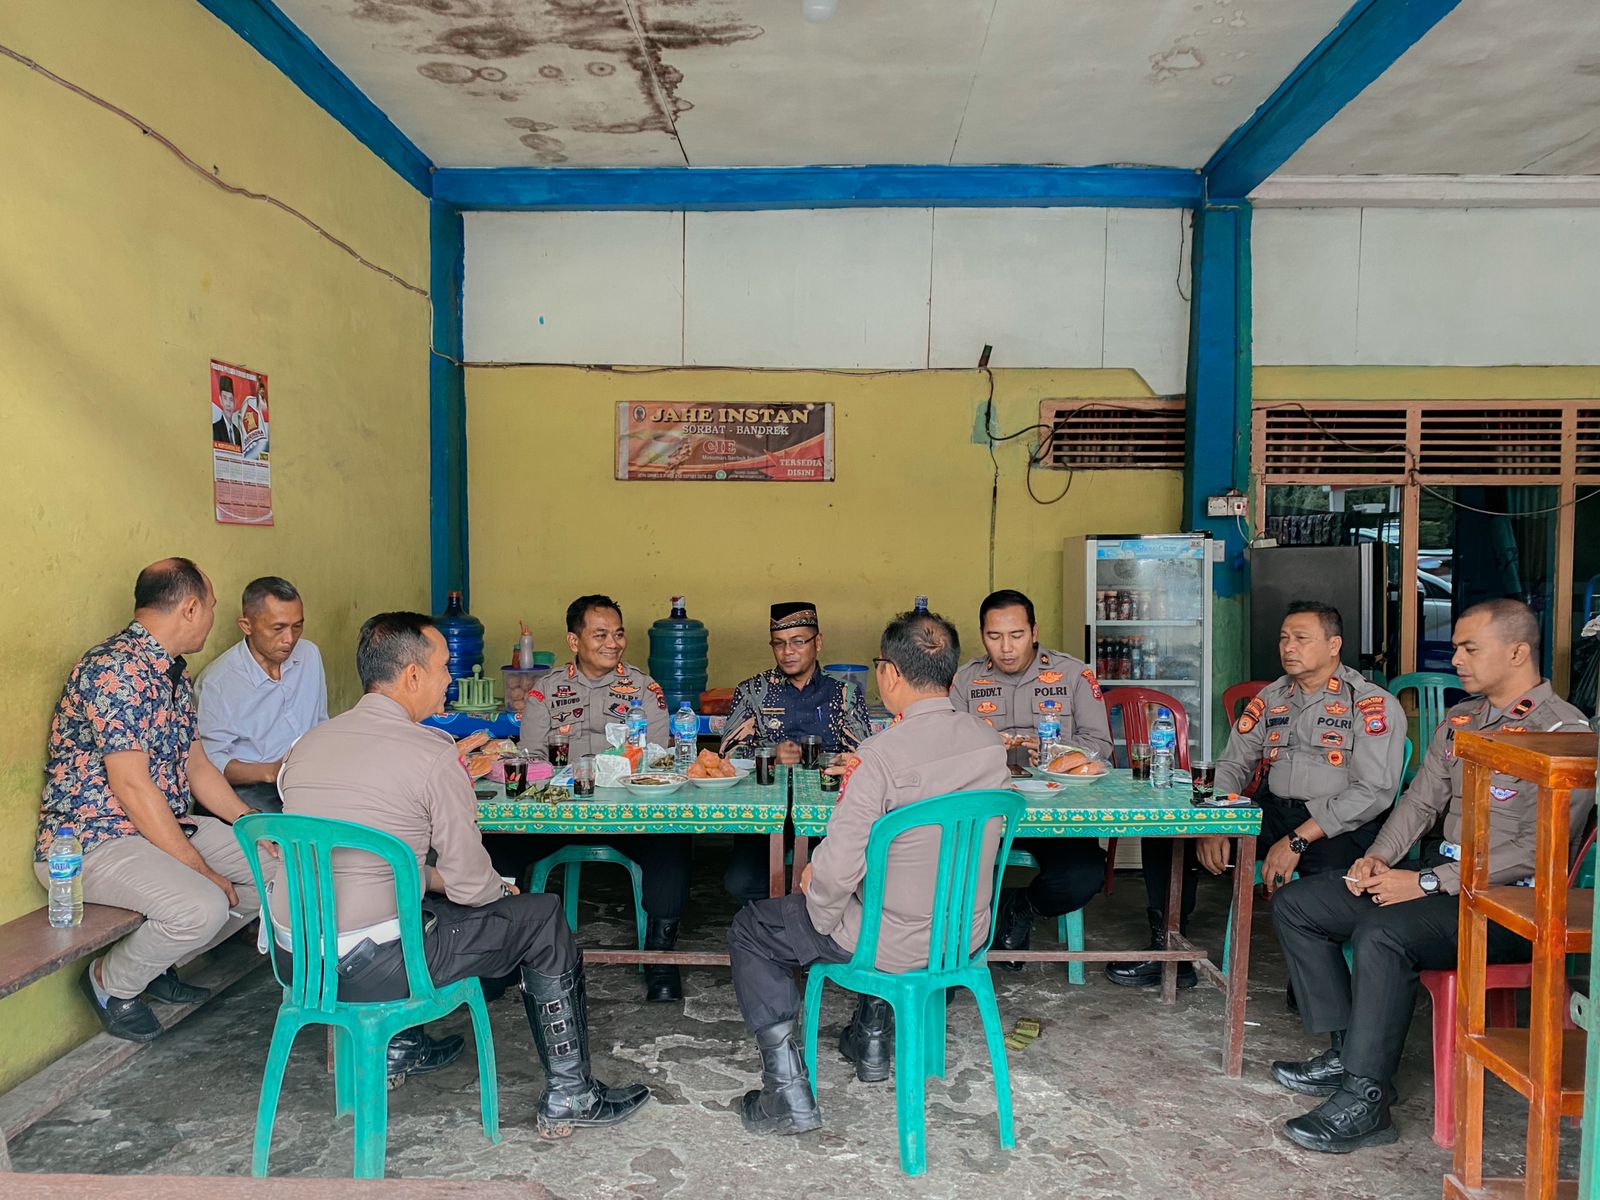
point(790, 443)
point(241, 473)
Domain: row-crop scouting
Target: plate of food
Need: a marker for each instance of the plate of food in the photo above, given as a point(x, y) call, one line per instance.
point(1074, 766)
point(1036, 787)
point(655, 783)
point(713, 771)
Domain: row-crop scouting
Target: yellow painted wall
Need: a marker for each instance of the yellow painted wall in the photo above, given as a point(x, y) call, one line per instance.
point(908, 513)
point(124, 274)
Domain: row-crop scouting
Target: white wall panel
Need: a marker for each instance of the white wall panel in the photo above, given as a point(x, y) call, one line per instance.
point(574, 287)
point(812, 288)
point(1147, 282)
point(1427, 287)
point(1031, 282)
point(1306, 264)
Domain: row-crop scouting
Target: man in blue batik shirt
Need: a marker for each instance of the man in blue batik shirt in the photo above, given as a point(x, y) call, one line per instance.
point(778, 708)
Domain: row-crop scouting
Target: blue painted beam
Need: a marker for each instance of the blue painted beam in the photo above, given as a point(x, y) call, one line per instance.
point(1217, 425)
point(447, 412)
point(279, 40)
point(1365, 44)
point(733, 189)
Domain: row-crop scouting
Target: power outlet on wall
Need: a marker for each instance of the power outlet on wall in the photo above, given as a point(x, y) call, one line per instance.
point(1233, 504)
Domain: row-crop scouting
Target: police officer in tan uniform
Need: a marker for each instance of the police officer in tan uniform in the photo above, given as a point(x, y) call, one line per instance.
point(1008, 688)
point(1333, 746)
point(930, 750)
point(376, 766)
point(1401, 918)
point(593, 690)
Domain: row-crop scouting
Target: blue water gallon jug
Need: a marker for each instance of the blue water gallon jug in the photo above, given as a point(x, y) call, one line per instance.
point(463, 634)
point(678, 651)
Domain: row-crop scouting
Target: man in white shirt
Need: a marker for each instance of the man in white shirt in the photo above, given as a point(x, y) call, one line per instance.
point(258, 697)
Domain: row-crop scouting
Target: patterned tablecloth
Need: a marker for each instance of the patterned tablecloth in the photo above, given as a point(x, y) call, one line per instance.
point(1115, 806)
point(746, 807)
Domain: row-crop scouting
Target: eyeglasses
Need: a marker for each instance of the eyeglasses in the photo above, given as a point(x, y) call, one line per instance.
point(792, 643)
point(881, 662)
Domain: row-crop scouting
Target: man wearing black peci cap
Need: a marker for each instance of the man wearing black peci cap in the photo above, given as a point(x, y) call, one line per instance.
point(779, 707)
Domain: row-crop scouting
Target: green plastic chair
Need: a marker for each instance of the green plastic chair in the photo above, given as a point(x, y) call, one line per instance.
point(362, 1031)
point(1430, 687)
point(573, 858)
point(1069, 926)
point(918, 997)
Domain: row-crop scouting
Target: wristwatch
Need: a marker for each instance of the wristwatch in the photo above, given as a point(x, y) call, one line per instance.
point(1298, 844)
point(1429, 882)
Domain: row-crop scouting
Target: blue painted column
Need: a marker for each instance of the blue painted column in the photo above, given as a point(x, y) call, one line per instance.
point(447, 411)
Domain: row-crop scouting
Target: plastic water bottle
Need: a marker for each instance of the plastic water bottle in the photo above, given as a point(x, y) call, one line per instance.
point(1049, 728)
point(638, 726)
point(66, 879)
point(685, 732)
point(920, 605)
point(1163, 743)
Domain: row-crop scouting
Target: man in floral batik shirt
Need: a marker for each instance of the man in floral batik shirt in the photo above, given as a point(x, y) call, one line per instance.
point(122, 771)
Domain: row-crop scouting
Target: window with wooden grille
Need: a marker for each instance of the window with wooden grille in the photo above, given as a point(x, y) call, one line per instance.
point(1113, 434)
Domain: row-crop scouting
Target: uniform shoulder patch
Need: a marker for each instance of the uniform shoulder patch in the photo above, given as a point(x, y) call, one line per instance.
point(1252, 714)
point(533, 695)
point(1374, 714)
point(1522, 707)
point(851, 762)
point(1094, 684)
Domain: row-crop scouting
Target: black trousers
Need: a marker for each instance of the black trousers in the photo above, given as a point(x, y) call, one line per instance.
point(768, 941)
point(1071, 872)
point(1371, 1000)
point(489, 942)
point(666, 859)
point(1279, 818)
point(747, 878)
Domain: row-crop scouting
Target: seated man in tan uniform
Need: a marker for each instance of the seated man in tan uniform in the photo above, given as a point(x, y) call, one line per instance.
point(376, 766)
point(930, 750)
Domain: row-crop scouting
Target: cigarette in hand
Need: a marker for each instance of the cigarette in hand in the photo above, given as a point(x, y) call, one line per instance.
point(1351, 879)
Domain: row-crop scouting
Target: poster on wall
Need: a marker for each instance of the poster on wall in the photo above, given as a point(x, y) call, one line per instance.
point(241, 470)
point(779, 443)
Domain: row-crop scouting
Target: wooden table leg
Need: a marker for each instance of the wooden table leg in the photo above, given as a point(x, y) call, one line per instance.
point(1239, 961)
point(1169, 969)
point(802, 855)
point(775, 876)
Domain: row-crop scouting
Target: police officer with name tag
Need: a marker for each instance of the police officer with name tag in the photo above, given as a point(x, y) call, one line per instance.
point(1008, 688)
point(578, 701)
point(1330, 746)
point(1400, 918)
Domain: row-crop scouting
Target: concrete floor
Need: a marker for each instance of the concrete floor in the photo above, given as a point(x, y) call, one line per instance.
point(1118, 1097)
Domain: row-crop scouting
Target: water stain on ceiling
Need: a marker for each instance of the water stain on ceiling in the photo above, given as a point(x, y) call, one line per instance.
point(571, 67)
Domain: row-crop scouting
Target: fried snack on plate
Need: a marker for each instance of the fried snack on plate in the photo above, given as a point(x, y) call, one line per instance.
point(472, 743)
point(479, 765)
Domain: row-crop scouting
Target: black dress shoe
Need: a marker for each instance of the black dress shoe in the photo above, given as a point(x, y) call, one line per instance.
point(413, 1052)
point(783, 1103)
point(662, 982)
point(129, 1019)
point(868, 1040)
point(1148, 973)
point(1319, 1076)
point(169, 989)
point(1015, 926)
point(1356, 1115)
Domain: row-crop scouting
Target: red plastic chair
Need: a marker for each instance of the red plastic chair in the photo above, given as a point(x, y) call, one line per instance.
point(1132, 704)
point(1501, 982)
point(1236, 697)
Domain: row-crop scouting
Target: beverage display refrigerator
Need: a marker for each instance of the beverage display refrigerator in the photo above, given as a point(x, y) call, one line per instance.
point(1138, 610)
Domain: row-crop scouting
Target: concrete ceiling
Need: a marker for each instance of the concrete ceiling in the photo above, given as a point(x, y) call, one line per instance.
point(1499, 87)
point(493, 83)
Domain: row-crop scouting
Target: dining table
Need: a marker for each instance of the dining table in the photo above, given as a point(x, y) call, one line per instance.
point(1115, 805)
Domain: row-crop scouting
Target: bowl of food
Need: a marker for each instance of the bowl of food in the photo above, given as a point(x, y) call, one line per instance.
point(654, 783)
point(713, 771)
point(743, 764)
point(1074, 766)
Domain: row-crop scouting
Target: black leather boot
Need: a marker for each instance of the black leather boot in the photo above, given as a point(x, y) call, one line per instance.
point(413, 1052)
point(783, 1103)
point(1148, 973)
point(661, 982)
point(1319, 1076)
point(558, 1014)
point(1015, 925)
point(1356, 1115)
point(868, 1040)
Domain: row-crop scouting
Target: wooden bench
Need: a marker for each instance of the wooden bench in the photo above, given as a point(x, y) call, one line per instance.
point(243, 1187)
point(30, 949)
